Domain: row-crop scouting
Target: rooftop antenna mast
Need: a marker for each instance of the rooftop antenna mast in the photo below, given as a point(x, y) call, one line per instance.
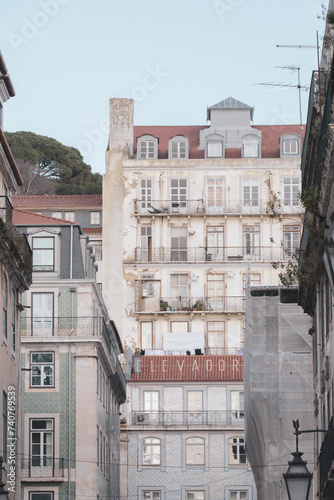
point(299, 87)
point(308, 47)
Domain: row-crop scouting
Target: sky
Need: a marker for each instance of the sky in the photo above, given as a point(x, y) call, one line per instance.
point(67, 58)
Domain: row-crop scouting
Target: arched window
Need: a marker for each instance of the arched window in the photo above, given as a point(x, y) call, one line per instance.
point(195, 451)
point(151, 451)
point(178, 148)
point(147, 147)
point(4, 305)
point(237, 450)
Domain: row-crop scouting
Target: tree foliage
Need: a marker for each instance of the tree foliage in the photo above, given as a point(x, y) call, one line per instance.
point(49, 167)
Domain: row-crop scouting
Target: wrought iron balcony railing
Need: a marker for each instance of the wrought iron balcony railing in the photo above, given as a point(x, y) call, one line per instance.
point(42, 467)
point(218, 418)
point(184, 206)
point(208, 351)
point(212, 254)
point(219, 303)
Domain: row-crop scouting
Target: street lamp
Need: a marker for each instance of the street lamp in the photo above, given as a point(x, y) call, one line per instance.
point(297, 478)
point(3, 493)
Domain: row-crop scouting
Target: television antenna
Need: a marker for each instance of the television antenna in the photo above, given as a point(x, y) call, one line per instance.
point(290, 85)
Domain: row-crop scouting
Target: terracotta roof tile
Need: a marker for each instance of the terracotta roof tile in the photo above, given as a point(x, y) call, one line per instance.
point(92, 230)
point(190, 368)
point(164, 133)
point(233, 153)
point(25, 218)
point(269, 141)
point(58, 201)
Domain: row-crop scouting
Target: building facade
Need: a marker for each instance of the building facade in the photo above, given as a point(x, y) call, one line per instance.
point(192, 216)
point(15, 278)
point(317, 265)
point(85, 210)
point(184, 429)
point(72, 382)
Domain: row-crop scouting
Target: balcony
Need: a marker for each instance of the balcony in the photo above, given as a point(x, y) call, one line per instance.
point(40, 468)
point(189, 304)
point(14, 248)
point(212, 254)
point(163, 208)
point(221, 418)
point(326, 464)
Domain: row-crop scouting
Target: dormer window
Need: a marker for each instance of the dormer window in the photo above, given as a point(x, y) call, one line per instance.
point(178, 148)
point(290, 145)
point(250, 146)
point(147, 148)
point(214, 149)
point(251, 149)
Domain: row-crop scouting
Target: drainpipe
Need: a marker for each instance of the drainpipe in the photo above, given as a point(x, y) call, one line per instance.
point(71, 253)
point(69, 421)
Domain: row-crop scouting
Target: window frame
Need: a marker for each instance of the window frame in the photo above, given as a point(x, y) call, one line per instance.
point(57, 215)
point(69, 216)
point(194, 447)
point(294, 233)
point(43, 249)
point(237, 442)
point(155, 442)
point(50, 319)
point(95, 215)
point(49, 492)
point(42, 364)
point(145, 150)
point(251, 200)
point(41, 432)
point(230, 491)
point(216, 144)
point(13, 317)
point(146, 345)
point(249, 143)
point(291, 195)
point(180, 142)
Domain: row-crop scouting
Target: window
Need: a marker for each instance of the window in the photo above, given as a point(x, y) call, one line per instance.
point(57, 215)
point(151, 405)
point(151, 451)
point(291, 191)
point(179, 243)
point(41, 495)
point(146, 193)
point(195, 407)
point(178, 148)
point(151, 495)
point(290, 146)
point(13, 306)
point(97, 246)
point(69, 216)
point(250, 192)
point(41, 445)
point(254, 280)
point(195, 495)
point(43, 254)
point(146, 243)
point(178, 195)
point(216, 337)
point(291, 240)
point(147, 148)
point(237, 450)
point(42, 313)
point(94, 218)
point(251, 241)
point(97, 445)
point(215, 243)
point(214, 149)
point(147, 289)
point(251, 149)
point(42, 369)
point(215, 195)
point(4, 426)
point(195, 451)
point(146, 333)
point(4, 305)
point(237, 404)
point(238, 495)
point(216, 291)
point(179, 288)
